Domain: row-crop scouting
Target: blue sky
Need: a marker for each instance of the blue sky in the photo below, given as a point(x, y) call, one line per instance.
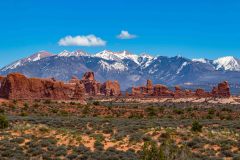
point(194, 29)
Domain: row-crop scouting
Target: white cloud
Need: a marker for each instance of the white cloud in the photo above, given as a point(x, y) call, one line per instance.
point(88, 40)
point(126, 35)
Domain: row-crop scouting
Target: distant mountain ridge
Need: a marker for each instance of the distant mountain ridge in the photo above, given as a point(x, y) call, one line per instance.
point(129, 69)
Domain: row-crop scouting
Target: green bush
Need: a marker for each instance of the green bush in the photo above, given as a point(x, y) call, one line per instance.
point(196, 127)
point(167, 151)
point(96, 103)
point(151, 111)
point(152, 152)
point(3, 122)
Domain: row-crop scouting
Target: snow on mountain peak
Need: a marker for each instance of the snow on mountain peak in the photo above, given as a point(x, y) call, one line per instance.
point(35, 57)
point(117, 56)
point(227, 63)
point(115, 66)
point(39, 55)
point(78, 53)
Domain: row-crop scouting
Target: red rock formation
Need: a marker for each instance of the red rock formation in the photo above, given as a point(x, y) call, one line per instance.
point(111, 88)
point(178, 92)
point(149, 87)
point(74, 79)
point(136, 91)
point(222, 90)
point(1, 78)
point(162, 91)
point(201, 93)
point(159, 90)
point(17, 86)
point(93, 87)
point(89, 76)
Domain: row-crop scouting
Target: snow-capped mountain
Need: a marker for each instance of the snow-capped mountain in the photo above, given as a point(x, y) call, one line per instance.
point(129, 69)
point(117, 56)
point(227, 63)
point(35, 57)
point(78, 53)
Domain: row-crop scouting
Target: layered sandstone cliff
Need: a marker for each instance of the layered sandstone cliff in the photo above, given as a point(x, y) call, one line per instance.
point(17, 86)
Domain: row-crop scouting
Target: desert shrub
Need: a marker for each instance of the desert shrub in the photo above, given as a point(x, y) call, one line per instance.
point(226, 109)
point(211, 111)
point(209, 116)
point(161, 109)
point(25, 106)
point(146, 138)
point(178, 111)
point(18, 140)
point(63, 113)
point(136, 137)
point(136, 116)
point(23, 114)
point(14, 101)
point(86, 110)
point(96, 103)
point(61, 151)
point(98, 145)
point(72, 156)
point(195, 143)
point(167, 151)
point(98, 137)
point(227, 153)
point(107, 130)
point(165, 135)
point(225, 116)
point(72, 103)
point(152, 152)
point(3, 122)
point(81, 149)
point(151, 111)
point(44, 129)
point(47, 101)
point(196, 127)
point(1, 111)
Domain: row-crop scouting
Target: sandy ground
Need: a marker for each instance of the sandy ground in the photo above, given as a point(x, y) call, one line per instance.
point(231, 100)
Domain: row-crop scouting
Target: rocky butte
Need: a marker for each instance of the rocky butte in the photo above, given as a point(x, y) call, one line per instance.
point(159, 90)
point(17, 86)
point(94, 88)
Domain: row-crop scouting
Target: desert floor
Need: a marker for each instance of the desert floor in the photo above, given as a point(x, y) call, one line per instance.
point(120, 128)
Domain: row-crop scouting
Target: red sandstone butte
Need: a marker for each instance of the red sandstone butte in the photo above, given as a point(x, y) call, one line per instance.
point(94, 88)
point(222, 90)
point(110, 88)
point(17, 86)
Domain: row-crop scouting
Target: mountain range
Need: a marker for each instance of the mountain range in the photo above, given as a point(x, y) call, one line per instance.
point(130, 69)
